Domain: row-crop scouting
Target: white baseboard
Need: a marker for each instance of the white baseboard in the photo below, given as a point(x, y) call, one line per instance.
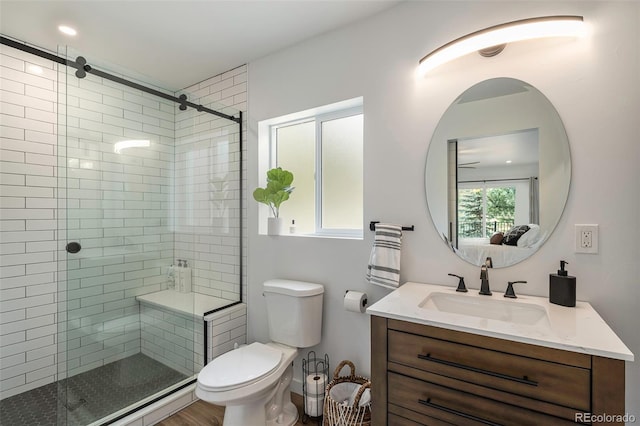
point(296, 386)
point(162, 409)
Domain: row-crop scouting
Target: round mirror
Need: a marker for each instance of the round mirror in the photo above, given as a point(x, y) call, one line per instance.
point(498, 172)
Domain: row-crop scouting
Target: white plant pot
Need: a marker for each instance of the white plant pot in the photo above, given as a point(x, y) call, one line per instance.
point(275, 225)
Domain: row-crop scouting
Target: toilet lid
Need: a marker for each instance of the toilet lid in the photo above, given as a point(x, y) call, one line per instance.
point(240, 366)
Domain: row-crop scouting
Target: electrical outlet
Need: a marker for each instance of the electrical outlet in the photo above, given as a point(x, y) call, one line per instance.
point(586, 239)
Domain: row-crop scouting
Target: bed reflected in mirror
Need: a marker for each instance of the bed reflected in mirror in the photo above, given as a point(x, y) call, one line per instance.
point(498, 172)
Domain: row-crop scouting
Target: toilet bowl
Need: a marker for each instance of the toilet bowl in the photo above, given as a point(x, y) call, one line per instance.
point(253, 382)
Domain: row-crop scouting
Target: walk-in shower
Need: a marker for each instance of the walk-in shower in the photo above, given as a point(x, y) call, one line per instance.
point(136, 177)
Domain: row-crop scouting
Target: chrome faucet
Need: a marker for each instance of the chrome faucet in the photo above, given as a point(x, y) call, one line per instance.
point(484, 277)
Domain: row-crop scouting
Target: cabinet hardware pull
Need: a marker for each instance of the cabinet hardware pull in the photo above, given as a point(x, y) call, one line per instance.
point(524, 380)
point(428, 403)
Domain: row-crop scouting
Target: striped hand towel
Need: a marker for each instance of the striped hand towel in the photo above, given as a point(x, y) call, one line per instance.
point(384, 262)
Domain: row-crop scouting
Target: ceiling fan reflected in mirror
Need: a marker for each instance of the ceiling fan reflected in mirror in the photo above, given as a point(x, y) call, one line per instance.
point(467, 165)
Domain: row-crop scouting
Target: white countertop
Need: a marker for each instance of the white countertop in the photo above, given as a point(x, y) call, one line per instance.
point(578, 329)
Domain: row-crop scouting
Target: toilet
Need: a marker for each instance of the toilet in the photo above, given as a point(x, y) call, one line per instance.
point(253, 382)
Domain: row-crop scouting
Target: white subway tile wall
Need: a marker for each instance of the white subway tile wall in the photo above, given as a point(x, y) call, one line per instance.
point(172, 338)
point(207, 191)
point(176, 339)
point(66, 313)
point(225, 329)
point(28, 227)
point(118, 207)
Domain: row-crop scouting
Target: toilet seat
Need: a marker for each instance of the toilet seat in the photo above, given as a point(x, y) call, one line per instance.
point(239, 367)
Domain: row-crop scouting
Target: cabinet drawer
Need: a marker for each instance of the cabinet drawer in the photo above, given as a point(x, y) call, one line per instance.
point(543, 380)
point(401, 421)
point(458, 407)
point(400, 416)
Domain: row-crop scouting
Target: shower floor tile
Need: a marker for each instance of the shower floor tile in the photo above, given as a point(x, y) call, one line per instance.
point(90, 396)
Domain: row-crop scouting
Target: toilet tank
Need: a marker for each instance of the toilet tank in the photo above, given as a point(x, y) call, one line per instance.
point(294, 310)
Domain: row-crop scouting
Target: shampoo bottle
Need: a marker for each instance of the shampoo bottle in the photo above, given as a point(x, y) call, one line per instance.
point(185, 278)
point(562, 287)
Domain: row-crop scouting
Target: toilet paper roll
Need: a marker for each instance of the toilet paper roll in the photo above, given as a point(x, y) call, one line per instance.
point(313, 406)
point(355, 301)
point(316, 384)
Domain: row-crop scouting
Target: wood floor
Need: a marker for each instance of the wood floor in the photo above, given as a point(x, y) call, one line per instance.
point(202, 413)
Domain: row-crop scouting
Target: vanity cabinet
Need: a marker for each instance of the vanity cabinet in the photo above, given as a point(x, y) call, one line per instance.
point(426, 375)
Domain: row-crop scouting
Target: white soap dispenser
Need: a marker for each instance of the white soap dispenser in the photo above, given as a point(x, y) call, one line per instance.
point(186, 278)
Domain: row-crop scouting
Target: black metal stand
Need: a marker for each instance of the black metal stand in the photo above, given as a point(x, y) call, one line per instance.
point(315, 377)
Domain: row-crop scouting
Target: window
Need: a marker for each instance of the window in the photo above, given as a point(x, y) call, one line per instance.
point(485, 209)
point(323, 149)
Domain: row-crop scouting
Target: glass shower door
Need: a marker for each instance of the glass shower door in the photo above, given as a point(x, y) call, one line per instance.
point(116, 164)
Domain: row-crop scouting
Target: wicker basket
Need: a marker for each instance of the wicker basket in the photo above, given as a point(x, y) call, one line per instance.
point(341, 390)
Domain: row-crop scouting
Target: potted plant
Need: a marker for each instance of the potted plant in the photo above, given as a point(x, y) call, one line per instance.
point(274, 194)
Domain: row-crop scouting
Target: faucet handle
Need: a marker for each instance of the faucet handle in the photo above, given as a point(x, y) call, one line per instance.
point(510, 293)
point(461, 287)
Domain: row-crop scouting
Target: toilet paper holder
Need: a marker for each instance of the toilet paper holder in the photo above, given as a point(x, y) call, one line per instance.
point(364, 301)
point(356, 301)
point(315, 377)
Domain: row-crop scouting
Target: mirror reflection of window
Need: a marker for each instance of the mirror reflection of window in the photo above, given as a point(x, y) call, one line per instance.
point(492, 190)
point(485, 210)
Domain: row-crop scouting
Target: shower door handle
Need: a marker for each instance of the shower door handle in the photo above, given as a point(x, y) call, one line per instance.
point(73, 247)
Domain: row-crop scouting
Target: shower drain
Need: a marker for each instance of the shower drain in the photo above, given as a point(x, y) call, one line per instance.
point(76, 405)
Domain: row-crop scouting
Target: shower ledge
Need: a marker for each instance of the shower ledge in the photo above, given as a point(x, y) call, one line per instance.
point(193, 304)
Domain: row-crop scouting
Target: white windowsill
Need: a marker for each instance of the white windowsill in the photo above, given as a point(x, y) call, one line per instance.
point(331, 236)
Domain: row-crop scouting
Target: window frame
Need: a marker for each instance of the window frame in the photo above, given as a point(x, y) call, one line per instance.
point(484, 185)
point(318, 116)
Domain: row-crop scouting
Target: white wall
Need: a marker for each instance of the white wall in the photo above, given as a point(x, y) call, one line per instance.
point(594, 85)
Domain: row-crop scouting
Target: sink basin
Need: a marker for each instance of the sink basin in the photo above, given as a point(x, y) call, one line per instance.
point(484, 307)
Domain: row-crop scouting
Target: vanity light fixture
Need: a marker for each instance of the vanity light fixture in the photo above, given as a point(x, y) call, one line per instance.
point(119, 146)
point(491, 41)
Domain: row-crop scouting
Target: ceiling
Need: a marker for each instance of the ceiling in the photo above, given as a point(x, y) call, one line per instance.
point(175, 44)
point(519, 148)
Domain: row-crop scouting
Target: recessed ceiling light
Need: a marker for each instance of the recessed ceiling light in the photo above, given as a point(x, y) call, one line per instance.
point(508, 161)
point(67, 30)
